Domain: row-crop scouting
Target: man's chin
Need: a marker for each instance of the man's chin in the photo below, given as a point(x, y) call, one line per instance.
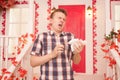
point(59, 31)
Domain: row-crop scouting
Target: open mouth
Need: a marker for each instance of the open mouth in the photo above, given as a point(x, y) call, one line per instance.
point(60, 25)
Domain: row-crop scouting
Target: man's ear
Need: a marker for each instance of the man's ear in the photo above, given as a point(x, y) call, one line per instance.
point(50, 21)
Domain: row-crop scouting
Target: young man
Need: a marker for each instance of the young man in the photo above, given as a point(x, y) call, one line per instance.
point(52, 51)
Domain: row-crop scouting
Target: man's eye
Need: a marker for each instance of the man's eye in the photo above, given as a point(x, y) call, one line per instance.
point(59, 17)
point(64, 19)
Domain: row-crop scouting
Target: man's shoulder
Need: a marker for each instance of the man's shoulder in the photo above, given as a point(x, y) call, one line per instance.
point(43, 33)
point(69, 33)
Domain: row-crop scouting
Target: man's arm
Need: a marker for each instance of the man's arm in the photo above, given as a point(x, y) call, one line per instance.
point(76, 58)
point(40, 60)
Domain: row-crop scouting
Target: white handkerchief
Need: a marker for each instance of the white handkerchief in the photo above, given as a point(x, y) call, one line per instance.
point(73, 41)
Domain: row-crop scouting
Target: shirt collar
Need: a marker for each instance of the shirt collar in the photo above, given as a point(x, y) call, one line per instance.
point(52, 33)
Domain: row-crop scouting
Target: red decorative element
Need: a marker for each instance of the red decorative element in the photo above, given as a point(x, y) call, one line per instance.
point(14, 62)
point(118, 39)
point(108, 78)
point(5, 78)
point(109, 44)
point(18, 50)
point(4, 15)
point(34, 78)
point(94, 36)
point(17, 2)
point(49, 11)
point(36, 6)
point(3, 31)
point(104, 48)
point(112, 62)
point(3, 21)
point(22, 72)
point(6, 3)
point(35, 22)
point(118, 36)
point(12, 77)
point(95, 69)
point(48, 26)
point(23, 39)
point(21, 2)
point(4, 71)
point(33, 37)
point(24, 2)
point(49, 2)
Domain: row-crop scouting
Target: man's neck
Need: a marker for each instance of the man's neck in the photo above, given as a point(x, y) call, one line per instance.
point(56, 33)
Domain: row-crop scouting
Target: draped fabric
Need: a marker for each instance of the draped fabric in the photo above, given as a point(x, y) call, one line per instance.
point(76, 24)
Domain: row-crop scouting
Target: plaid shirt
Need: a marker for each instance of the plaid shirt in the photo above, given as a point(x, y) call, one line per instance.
point(58, 68)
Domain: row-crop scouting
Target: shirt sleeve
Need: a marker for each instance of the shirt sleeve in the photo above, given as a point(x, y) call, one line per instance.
point(36, 49)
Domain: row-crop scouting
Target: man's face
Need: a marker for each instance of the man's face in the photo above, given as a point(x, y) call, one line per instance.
point(58, 22)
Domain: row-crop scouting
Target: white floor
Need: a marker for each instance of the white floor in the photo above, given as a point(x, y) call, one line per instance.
point(83, 76)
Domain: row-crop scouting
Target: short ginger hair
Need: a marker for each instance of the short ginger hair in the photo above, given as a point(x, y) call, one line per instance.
point(58, 10)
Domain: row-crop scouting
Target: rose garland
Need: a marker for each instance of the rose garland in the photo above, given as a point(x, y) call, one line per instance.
point(6, 4)
point(94, 36)
point(48, 11)
point(3, 21)
point(107, 45)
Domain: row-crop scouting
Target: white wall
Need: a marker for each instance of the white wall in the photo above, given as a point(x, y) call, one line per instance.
point(42, 18)
point(100, 22)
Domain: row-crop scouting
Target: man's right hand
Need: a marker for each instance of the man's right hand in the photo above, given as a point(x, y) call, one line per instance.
point(59, 48)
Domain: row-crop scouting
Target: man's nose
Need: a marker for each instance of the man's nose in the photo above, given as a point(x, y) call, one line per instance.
point(62, 20)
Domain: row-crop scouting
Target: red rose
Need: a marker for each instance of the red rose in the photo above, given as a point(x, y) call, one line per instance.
point(6, 3)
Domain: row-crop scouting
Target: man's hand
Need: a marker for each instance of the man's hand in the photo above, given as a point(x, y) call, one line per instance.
point(59, 48)
point(78, 46)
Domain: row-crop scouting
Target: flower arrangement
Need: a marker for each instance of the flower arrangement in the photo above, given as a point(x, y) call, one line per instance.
point(6, 4)
point(111, 42)
point(23, 39)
